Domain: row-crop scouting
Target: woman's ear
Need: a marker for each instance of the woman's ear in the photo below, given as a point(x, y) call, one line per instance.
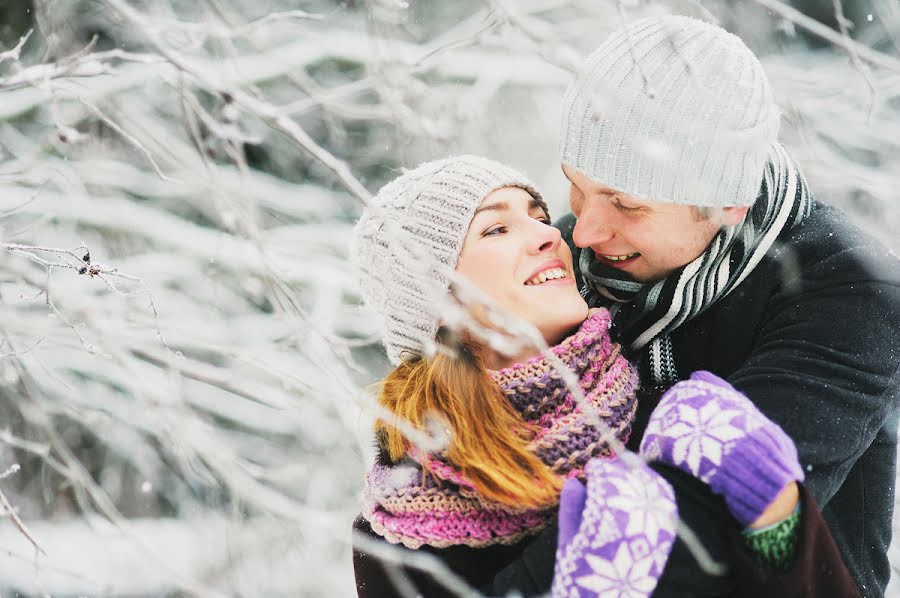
point(734, 215)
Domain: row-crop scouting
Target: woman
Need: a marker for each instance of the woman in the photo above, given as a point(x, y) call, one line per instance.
point(514, 432)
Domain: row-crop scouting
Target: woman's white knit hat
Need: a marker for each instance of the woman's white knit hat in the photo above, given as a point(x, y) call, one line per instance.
point(408, 240)
point(672, 109)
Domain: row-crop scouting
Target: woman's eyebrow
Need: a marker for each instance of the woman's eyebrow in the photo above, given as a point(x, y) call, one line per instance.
point(498, 206)
point(503, 206)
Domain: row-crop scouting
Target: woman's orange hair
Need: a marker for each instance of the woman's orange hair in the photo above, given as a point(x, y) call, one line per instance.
point(489, 439)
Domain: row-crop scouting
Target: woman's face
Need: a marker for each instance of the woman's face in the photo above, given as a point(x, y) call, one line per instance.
point(513, 255)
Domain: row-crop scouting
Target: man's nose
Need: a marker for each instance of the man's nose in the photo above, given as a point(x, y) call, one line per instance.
point(591, 227)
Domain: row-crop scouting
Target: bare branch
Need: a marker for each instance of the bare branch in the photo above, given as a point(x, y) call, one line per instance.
point(264, 110)
point(11, 511)
point(14, 53)
point(844, 25)
point(818, 29)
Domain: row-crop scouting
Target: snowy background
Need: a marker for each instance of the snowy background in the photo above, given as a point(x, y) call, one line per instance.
point(184, 366)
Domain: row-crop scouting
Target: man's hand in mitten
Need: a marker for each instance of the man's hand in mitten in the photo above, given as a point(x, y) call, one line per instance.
point(711, 431)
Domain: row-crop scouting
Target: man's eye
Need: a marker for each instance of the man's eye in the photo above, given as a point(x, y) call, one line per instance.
point(494, 230)
point(626, 209)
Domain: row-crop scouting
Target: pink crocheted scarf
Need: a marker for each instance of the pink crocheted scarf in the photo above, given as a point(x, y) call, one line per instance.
point(405, 504)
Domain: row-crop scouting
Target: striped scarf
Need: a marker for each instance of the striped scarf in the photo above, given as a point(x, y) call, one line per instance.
point(645, 314)
point(426, 500)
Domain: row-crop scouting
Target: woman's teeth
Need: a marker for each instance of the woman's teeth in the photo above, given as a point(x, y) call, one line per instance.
point(551, 274)
point(620, 258)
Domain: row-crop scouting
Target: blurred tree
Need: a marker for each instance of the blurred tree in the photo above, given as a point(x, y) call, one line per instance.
point(16, 17)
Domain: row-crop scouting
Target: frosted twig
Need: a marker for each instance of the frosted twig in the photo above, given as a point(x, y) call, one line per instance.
point(129, 138)
point(125, 56)
point(89, 347)
point(208, 375)
point(83, 484)
point(491, 21)
point(707, 14)
point(13, 54)
point(5, 504)
point(330, 95)
point(264, 110)
point(72, 65)
point(698, 551)
point(645, 82)
point(14, 468)
point(84, 265)
point(225, 132)
point(416, 559)
point(431, 440)
point(823, 31)
point(14, 209)
point(512, 327)
point(222, 32)
point(29, 252)
point(844, 25)
point(33, 346)
point(54, 568)
point(562, 55)
point(84, 63)
point(35, 448)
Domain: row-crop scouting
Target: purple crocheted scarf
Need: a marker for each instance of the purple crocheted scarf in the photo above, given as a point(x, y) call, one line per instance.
point(405, 504)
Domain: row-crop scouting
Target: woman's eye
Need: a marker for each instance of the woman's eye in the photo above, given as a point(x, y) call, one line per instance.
point(494, 230)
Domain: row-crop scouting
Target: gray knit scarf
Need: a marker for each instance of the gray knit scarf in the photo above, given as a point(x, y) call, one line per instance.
point(645, 314)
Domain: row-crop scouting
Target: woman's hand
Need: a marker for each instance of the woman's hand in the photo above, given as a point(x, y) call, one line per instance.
point(615, 535)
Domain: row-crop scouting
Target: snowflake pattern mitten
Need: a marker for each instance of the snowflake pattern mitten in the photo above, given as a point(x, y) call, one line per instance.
point(618, 544)
point(710, 430)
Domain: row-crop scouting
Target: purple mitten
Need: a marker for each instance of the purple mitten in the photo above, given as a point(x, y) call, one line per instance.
point(571, 506)
point(710, 430)
point(624, 532)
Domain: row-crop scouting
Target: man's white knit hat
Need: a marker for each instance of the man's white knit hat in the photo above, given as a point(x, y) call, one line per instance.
point(408, 240)
point(672, 109)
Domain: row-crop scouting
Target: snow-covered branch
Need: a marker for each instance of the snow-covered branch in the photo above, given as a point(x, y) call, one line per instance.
point(205, 365)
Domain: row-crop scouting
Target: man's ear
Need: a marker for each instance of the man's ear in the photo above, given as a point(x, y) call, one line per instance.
point(734, 215)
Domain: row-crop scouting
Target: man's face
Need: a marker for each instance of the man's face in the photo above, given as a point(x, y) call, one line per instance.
point(648, 240)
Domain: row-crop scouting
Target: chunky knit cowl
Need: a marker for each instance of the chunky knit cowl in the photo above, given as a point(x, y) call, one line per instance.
point(426, 500)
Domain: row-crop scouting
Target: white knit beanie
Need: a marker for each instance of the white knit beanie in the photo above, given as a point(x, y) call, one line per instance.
point(408, 240)
point(672, 109)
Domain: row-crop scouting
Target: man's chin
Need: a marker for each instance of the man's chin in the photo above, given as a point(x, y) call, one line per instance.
point(645, 277)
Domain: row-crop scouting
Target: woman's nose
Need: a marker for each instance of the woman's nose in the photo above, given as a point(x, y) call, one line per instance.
point(591, 227)
point(548, 239)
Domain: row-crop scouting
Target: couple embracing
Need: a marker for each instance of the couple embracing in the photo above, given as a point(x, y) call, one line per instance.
point(708, 404)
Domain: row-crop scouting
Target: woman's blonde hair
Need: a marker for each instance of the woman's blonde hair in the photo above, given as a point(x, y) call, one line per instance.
point(488, 438)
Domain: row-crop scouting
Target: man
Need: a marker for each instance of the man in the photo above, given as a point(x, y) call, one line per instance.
point(691, 222)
